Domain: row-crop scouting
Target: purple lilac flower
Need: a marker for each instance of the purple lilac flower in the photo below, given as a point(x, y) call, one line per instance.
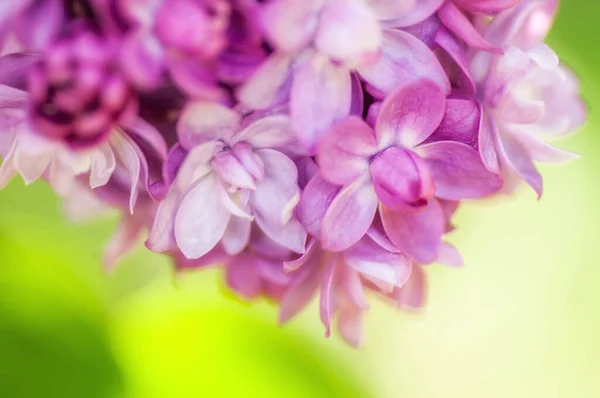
point(303, 146)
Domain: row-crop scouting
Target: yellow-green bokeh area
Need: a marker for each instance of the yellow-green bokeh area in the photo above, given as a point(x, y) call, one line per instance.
point(520, 320)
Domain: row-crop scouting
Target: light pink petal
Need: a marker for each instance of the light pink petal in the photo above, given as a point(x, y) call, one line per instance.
point(412, 294)
point(277, 194)
point(344, 152)
point(542, 151)
point(32, 156)
point(290, 24)
point(201, 219)
point(417, 234)
point(268, 132)
point(236, 235)
point(197, 164)
point(348, 32)
point(450, 256)
point(203, 121)
point(7, 170)
point(291, 235)
point(314, 202)
point(486, 142)
point(270, 84)
point(410, 114)
point(519, 159)
point(122, 241)
point(387, 10)
point(300, 292)
point(459, 24)
point(242, 277)
point(349, 323)
point(349, 215)
point(458, 171)
point(126, 152)
point(312, 253)
point(422, 10)
point(161, 237)
point(321, 94)
point(195, 78)
point(103, 166)
point(150, 135)
point(327, 301)
point(404, 59)
point(373, 261)
point(352, 286)
point(231, 171)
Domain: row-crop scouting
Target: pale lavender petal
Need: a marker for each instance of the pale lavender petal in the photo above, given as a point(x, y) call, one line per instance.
point(518, 158)
point(202, 121)
point(196, 164)
point(268, 132)
point(450, 256)
point(277, 194)
point(291, 24)
point(231, 171)
point(123, 240)
point(373, 261)
point(404, 59)
point(327, 300)
point(486, 143)
point(299, 293)
point(412, 294)
point(410, 114)
point(344, 152)
point(314, 202)
point(251, 161)
point(291, 235)
point(312, 253)
point(161, 237)
point(387, 10)
point(349, 323)
point(349, 215)
point(201, 218)
point(149, 135)
point(423, 9)
point(541, 151)
point(236, 236)
point(32, 156)
point(458, 171)
point(321, 94)
point(348, 32)
point(352, 286)
point(270, 84)
point(103, 164)
point(126, 151)
point(417, 234)
point(195, 78)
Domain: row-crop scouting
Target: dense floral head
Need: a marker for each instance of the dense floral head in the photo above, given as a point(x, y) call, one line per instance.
point(304, 146)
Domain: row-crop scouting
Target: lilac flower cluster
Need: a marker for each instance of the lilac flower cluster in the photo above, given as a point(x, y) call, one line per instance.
point(304, 146)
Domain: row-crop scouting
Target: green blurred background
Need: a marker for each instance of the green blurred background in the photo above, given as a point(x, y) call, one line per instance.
point(520, 320)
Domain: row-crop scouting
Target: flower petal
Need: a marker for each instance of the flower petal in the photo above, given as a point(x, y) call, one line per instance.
point(277, 194)
point(349, 215)
point(327, 301)
point(201, 121)
point(404, 59)
point(412, 294)
point(422, 10)
point(201, 219)
point(236, 235)
point(486, 143)
point(348, 32)
point(300, 292)
point(459, 24)
point(410, 114)
point(460, 123)
point(242, 277)
point(269, 85)
point(196, 164)
point(290, 24)
point(161, 237)
point(417, 234)
point(143, 59)
point(314, 202)
point(343, 154)
point(519, 159)
point(268, 132)
point(291, 235)
point(374, 262)
point(458, 171)
point(321, 94)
